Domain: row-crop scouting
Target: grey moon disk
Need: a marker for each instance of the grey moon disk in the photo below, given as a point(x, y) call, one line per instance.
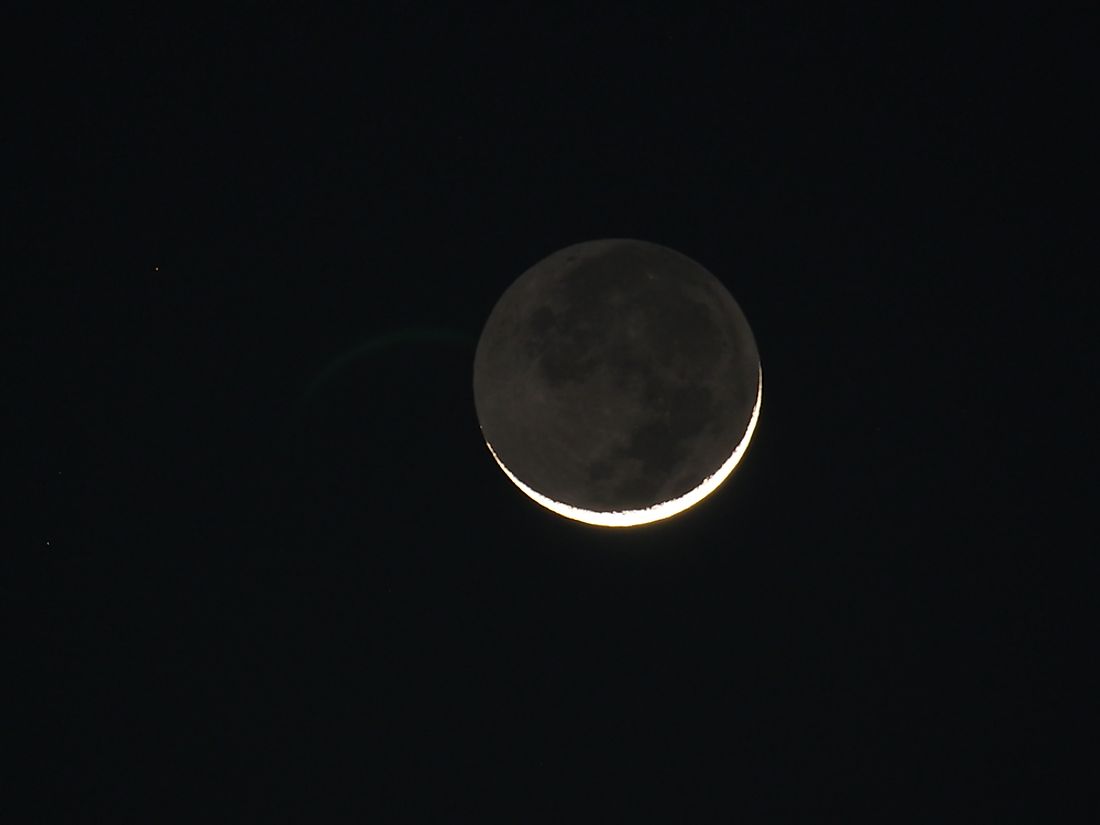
point(617, 382)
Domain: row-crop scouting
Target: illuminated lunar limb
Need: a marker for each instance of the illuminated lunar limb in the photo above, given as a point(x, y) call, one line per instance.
point(658, 512)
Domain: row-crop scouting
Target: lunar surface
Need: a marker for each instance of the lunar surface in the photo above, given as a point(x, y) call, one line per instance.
point(617, 382)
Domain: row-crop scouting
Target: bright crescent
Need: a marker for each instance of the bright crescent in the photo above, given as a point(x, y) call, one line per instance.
point(663, 510)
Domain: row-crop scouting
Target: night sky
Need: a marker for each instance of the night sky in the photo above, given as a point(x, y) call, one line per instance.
point(261, 566)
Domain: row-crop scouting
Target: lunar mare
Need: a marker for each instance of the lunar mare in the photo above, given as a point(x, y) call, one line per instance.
point(617, 382)
point(658, 512)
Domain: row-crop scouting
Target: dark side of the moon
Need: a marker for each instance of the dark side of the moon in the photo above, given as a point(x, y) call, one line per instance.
point(615, 375)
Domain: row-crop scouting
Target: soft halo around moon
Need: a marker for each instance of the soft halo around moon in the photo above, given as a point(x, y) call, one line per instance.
point(663, 510)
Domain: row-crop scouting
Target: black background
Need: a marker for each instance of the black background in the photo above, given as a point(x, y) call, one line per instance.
point(263, 568)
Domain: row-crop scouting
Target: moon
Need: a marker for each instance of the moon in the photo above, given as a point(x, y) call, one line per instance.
point(617, 382)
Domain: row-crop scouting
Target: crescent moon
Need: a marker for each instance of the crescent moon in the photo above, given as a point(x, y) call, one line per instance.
point(617, 383)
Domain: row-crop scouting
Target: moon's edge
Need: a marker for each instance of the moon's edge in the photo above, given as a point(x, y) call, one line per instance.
point(657, 512)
